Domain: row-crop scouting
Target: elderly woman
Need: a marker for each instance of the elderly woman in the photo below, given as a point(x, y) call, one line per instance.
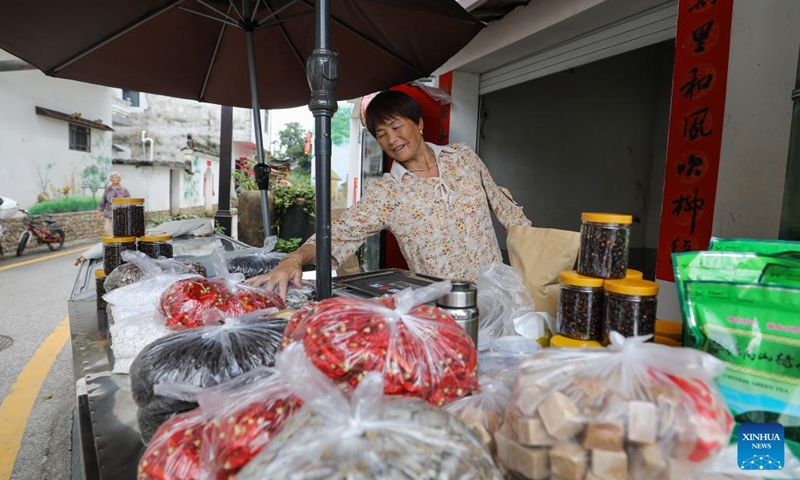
point(115, 190)
point(437, 200)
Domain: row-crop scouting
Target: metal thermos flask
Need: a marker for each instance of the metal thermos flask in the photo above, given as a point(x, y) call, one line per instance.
point(462, 304)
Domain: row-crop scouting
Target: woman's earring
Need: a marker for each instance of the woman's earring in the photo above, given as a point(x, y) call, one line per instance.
point(420, 131)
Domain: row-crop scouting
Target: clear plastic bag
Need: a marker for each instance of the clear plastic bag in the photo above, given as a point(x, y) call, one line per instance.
point(202, 357)
point(369, 436)
point(297, 298)
point(257, 261)
point(140, 267)
point(627, 410)
point(483, 411)
point(420, 350)
point(175, 450)
point(506, 307)
point(244, 415)
point(195, 302)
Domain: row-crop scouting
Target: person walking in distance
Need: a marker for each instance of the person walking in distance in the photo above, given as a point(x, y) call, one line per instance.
point(115, 190)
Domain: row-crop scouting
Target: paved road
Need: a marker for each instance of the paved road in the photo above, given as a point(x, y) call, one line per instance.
point(33, 301)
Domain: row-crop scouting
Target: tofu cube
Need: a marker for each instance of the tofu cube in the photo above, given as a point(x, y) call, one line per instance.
point(610, 465)
point(560, 416)
point(531, 432)
point(642, 422)
point(568, 461)
point(647, 461)
point(534, 463)
point(604, 436)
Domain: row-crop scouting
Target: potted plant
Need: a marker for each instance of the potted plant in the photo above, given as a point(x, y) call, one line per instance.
point(295, 211)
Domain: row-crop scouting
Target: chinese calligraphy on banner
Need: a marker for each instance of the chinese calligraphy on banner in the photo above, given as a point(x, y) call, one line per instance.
point(695, 128)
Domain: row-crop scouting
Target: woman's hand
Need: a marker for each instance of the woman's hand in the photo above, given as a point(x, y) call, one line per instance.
point(289, 269)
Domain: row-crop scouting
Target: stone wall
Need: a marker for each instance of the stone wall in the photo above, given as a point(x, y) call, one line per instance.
point(76, 226)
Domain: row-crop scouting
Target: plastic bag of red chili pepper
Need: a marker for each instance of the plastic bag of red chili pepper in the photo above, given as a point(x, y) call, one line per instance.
point(420, 350)
point(174, 451)
point(366, 436)
point(200, 357)
point(197, 301)
point(243, 415)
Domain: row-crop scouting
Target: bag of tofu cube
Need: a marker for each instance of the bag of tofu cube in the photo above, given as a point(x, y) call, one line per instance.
point(626, 412)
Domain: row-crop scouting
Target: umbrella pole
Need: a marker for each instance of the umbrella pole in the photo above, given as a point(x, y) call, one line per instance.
point(262, 173)
point(322, 69)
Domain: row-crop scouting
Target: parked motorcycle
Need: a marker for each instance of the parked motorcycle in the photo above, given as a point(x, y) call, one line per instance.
point(8, 208)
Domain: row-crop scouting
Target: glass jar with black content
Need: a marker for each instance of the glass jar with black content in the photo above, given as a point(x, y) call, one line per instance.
point(630, 307)
point(156, 245)
point(605, 241)
point(112, 251)
point(100, 288)
point(580, 306)
point(127, 217)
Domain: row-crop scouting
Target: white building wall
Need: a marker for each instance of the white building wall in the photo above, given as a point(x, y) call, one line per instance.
point(28, 140)
point(765, 41)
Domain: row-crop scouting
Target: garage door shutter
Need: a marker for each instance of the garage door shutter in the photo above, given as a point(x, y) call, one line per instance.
point(652, 26)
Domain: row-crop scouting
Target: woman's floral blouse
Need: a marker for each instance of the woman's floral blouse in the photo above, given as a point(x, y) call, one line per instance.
point(442, 224)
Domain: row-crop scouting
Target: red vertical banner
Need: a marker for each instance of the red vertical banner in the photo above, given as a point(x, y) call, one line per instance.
point(699, 82)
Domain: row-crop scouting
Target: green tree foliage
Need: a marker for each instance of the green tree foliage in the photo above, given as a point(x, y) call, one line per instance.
point(340, 125)
point(292, 145)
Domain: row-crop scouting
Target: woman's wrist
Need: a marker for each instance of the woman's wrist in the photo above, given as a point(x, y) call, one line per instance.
point(294, 260)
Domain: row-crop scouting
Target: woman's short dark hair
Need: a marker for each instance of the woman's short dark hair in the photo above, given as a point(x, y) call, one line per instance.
point(391, 104)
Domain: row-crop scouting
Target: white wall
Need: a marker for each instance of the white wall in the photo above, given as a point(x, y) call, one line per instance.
point(28, 140)
point(582, 140)
point(761, 75)
point(465, 109)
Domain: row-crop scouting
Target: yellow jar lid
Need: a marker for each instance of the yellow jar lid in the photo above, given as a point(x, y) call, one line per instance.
point(571, 277)
point(560, 341)
point(606, 218)
point(127, 200)
point(666, 341)
point(634, 274)
point(629, 286)
point(119, 239)
point(156, 238)
point(99, 273)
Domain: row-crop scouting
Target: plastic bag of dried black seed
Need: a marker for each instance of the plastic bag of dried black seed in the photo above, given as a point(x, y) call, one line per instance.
point(139, 266)
point(204, 357)
point(257, 261)
point(366, 436)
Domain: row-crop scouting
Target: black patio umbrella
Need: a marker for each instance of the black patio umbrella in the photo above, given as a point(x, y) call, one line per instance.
point(245, 53)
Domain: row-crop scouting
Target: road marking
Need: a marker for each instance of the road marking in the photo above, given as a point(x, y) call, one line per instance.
point(17, 405)
point(41, 259)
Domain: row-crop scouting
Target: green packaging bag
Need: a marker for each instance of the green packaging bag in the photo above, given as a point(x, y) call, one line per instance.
point(756, 329)
point(753, 245)
point(719, 266)
point(780, 275)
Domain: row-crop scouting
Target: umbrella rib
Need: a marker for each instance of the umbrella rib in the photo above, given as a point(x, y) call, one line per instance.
point(211, 63)
point(216, 19)
point(286, 37)
point(373, 42)
point(235, 10)
point(255, 9)
point(278, 21)
point(230, 19)
point(111, 38)
point(273, 14)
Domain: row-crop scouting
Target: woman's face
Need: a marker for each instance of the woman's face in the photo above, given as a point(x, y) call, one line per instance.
point(115, 179)
point(399, 137)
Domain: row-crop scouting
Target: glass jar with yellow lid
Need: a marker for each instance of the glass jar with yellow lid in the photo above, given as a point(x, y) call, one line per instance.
point(100, 287)
point(156, 245)
point(630, 307)
point(112, 251)
point(127, 217)
point(580, 306)
point(605, 242)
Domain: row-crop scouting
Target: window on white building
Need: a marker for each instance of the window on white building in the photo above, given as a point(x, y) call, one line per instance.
point(131, 96)
point(80, 138)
